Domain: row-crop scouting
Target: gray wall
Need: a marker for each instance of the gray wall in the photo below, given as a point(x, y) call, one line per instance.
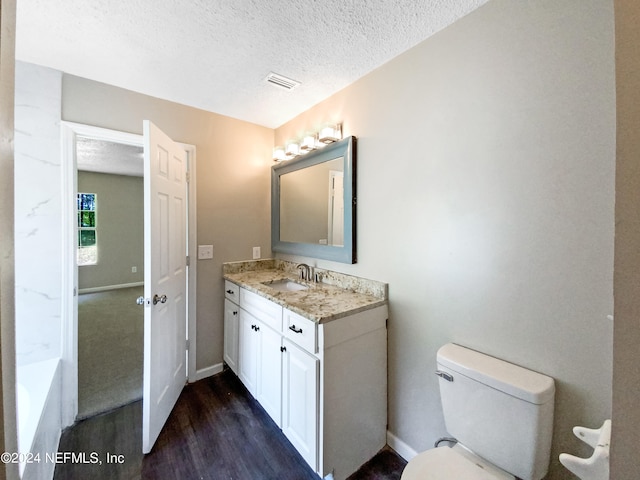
point(486, 159)
point(8, 435)
point(120, 229)
point(233, 183)
point(625, 461)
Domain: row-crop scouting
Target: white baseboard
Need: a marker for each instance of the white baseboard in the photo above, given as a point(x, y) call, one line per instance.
point(208, 371)
point(401, 448)
point(109, 287)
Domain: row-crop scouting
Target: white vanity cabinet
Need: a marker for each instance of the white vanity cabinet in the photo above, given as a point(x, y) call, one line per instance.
point(260, 355)
point(324, 384)
point(231, 324)
point(260, 363)
point(269, 373)
point(300, 392)
point(248, 353)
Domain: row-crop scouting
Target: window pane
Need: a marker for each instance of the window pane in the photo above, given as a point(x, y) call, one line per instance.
point(87, 201)
point(87, 238)
point(87, 255)
point(87, 244)
point(88, 219)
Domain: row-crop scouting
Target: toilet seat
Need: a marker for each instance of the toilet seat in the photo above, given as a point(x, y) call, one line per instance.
point(446, 463)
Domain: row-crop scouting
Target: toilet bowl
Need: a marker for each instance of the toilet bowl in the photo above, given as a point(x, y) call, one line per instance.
point(444, 463)
point(500, 415)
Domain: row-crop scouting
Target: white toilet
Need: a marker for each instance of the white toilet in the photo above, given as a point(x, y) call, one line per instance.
point(500, 414)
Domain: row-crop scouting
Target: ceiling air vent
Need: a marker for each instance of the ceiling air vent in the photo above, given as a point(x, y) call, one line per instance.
point(280, 81)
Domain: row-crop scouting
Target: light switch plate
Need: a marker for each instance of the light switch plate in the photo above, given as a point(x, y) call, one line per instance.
point(205, 252)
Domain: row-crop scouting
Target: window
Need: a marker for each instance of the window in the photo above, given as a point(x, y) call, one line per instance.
point(87, 241)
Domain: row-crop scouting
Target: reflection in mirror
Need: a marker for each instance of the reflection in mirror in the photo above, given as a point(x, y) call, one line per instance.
point(313, 204)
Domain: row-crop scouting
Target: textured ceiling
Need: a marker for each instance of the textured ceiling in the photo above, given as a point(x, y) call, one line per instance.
point(215, 54)
point(108, 157)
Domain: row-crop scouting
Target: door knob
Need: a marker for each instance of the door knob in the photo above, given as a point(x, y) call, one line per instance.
point(159, 299)
point(140, 300)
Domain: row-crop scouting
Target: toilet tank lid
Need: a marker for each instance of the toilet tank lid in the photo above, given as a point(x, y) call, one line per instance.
point(512, 379)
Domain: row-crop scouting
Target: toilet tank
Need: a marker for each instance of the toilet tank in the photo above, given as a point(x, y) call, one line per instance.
point(498, 410)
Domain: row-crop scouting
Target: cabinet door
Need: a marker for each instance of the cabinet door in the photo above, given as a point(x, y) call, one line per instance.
point(231, 330)
point(248, 351)
point(269, 381)
point(300, 385)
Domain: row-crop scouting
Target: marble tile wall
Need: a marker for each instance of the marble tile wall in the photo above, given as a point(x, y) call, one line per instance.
point(38, 214)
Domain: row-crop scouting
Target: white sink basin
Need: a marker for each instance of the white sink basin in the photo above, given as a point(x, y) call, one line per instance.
point(286, 285)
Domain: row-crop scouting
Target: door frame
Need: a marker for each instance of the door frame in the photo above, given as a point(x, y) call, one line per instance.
point(69, 133)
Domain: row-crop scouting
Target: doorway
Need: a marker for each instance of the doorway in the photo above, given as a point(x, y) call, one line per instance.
point(110, 262)
point(73, 134)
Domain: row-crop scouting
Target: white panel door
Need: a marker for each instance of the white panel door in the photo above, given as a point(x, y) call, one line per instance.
point(270, 373)
point(300, 401)
point(164, 280)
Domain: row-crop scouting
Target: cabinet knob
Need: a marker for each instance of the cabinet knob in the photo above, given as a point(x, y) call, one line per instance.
point(230, 292)
point(235, 312)
point(294, 329)
point(283, 349)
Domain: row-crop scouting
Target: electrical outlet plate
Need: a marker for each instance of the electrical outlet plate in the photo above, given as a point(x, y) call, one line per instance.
point(256, 253)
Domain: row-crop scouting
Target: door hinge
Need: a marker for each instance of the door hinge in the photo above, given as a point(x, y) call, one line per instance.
point(186, 344)
point(187, 176)
point(447, 376)
point(188, 261)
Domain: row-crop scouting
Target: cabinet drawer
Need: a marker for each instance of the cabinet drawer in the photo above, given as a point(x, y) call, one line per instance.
point(261, 308)
point(301, 331)
point(232, 292)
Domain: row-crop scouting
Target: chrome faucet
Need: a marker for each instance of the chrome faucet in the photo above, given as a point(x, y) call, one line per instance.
point(305, 271)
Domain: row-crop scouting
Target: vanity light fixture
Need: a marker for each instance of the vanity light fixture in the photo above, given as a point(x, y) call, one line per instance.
point(279, 155)
point(311, 141)
point(330, 134)
point(292, 150)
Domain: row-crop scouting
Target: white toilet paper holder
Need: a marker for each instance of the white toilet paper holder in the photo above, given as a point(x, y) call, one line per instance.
point(595, 467)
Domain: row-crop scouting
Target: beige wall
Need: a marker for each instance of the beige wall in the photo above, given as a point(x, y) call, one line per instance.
point(233, 183)
point(625, 461)
point(486, 161)
point(120, 229)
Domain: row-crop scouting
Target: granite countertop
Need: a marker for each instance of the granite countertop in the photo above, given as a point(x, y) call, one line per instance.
point(320, 303)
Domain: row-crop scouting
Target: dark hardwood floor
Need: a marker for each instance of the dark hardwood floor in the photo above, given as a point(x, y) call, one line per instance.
point(216, 431)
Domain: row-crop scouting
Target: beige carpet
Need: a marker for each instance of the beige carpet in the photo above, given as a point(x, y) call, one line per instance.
point(110, 350)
